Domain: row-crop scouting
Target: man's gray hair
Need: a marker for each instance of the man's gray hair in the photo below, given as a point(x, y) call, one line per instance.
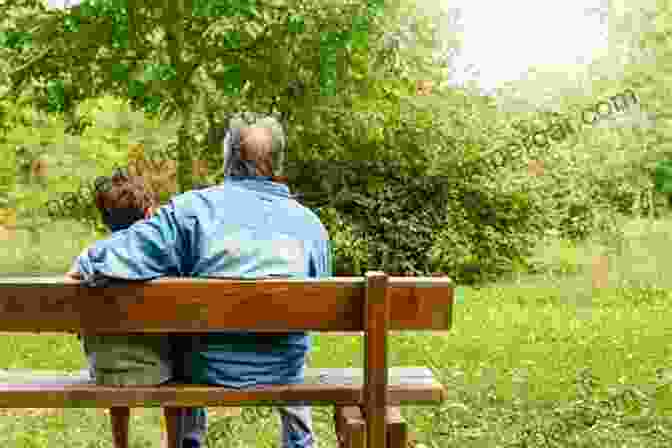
point(279, 140)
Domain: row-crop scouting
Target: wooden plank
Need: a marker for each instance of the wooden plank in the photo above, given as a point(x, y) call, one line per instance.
point(172, 416)
point(35, 304)
point(51, 389)
point(350, 426)
point(395, 282)
point(397, 429)
point(377, 316)
point(119, 419)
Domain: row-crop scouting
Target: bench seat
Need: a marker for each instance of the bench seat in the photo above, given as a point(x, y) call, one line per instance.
point(322, 387)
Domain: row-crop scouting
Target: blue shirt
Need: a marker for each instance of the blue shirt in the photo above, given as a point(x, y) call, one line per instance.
point(245, 228)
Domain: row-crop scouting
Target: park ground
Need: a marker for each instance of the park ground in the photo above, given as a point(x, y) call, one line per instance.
point(578, 356)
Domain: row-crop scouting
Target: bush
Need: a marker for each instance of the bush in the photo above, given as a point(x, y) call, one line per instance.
point(433, 207)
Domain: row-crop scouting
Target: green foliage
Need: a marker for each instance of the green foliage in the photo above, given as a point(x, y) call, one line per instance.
point(663, 177)
point(433, 207)
point(225, 8)
point(296, 24)
point(231, 80)
point(422, 196)
point(55, 96)
point(116, 10)
point(15, 39)
point(218, 55)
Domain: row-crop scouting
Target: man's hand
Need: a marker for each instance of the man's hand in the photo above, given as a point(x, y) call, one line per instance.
point(73, 277)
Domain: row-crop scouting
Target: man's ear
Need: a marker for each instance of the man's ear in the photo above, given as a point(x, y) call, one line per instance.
point(149, 211)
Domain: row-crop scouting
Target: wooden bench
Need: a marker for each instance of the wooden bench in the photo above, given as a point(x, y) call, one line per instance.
point(366, 400)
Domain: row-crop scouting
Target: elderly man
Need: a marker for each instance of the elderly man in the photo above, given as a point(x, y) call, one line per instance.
point(247, 227)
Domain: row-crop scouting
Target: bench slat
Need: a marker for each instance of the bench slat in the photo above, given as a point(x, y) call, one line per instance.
point(34, 304)
point(343, 387)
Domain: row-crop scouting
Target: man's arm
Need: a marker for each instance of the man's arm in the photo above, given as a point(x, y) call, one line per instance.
point(322, 260)
point(146, 250)
point(73, 275)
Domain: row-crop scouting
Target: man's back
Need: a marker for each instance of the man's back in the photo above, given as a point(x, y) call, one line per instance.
point(249, 228)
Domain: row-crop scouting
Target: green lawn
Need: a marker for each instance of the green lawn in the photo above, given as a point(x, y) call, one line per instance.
point(543, 361)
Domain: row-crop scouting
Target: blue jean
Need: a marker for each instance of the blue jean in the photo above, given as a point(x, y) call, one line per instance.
point(296, 422)
point(297, 427)
point(229, 364)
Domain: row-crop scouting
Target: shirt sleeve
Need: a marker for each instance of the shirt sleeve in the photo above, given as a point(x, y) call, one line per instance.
point(322, 260)
point(148, 249)
point(75, 265)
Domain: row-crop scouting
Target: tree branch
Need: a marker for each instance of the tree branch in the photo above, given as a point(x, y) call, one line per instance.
point(28, 64)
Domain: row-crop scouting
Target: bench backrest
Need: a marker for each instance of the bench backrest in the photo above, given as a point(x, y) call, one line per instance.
point(48, 304)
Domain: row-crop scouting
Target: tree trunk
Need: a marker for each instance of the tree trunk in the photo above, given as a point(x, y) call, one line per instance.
point(185, 178)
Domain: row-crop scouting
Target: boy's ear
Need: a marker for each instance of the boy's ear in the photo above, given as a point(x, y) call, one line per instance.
point(149, 211)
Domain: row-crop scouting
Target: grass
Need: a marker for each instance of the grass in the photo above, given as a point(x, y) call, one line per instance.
point(548, 360)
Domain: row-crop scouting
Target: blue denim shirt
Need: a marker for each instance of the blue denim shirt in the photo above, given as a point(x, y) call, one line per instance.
point(243, 228)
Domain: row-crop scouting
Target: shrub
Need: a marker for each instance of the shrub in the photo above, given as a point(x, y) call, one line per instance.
point(426, 204)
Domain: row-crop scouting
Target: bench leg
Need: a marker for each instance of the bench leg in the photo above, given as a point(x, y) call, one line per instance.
point(397, 429)
point(172, 421)
point(351, 427)
point(119, 418)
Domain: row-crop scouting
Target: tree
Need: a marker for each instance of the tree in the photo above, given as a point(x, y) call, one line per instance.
point(167, 57)
point(424, 201)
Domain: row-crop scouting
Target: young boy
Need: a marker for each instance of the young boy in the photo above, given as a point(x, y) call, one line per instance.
point(125, 360)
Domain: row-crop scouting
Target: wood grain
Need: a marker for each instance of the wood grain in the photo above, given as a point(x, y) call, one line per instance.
point(350, 427)
point(322, 387)
point(397, 429)
point(351, 430)
point(48, 304)
point(377, 316)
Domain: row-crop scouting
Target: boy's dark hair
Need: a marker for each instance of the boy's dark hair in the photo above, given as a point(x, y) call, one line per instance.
point(122, 199)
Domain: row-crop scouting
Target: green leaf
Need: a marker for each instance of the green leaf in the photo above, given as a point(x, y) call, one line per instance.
point(232, 79)
point(328, 85)
point(152, 104)
point(663, 177)
point(360, 38)
point(55, 96)
point(15, 39)
point(224, 8)
point(296, 24)
point(71, 24)
point(232, 39)
point(376, 7)
point(136, 88)
point(159, 72)
point(120, 72)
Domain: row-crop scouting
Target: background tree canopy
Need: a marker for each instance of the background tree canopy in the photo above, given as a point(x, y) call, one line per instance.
point(404, 182)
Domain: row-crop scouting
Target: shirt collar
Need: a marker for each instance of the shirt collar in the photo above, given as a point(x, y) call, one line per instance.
point(261, 184)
